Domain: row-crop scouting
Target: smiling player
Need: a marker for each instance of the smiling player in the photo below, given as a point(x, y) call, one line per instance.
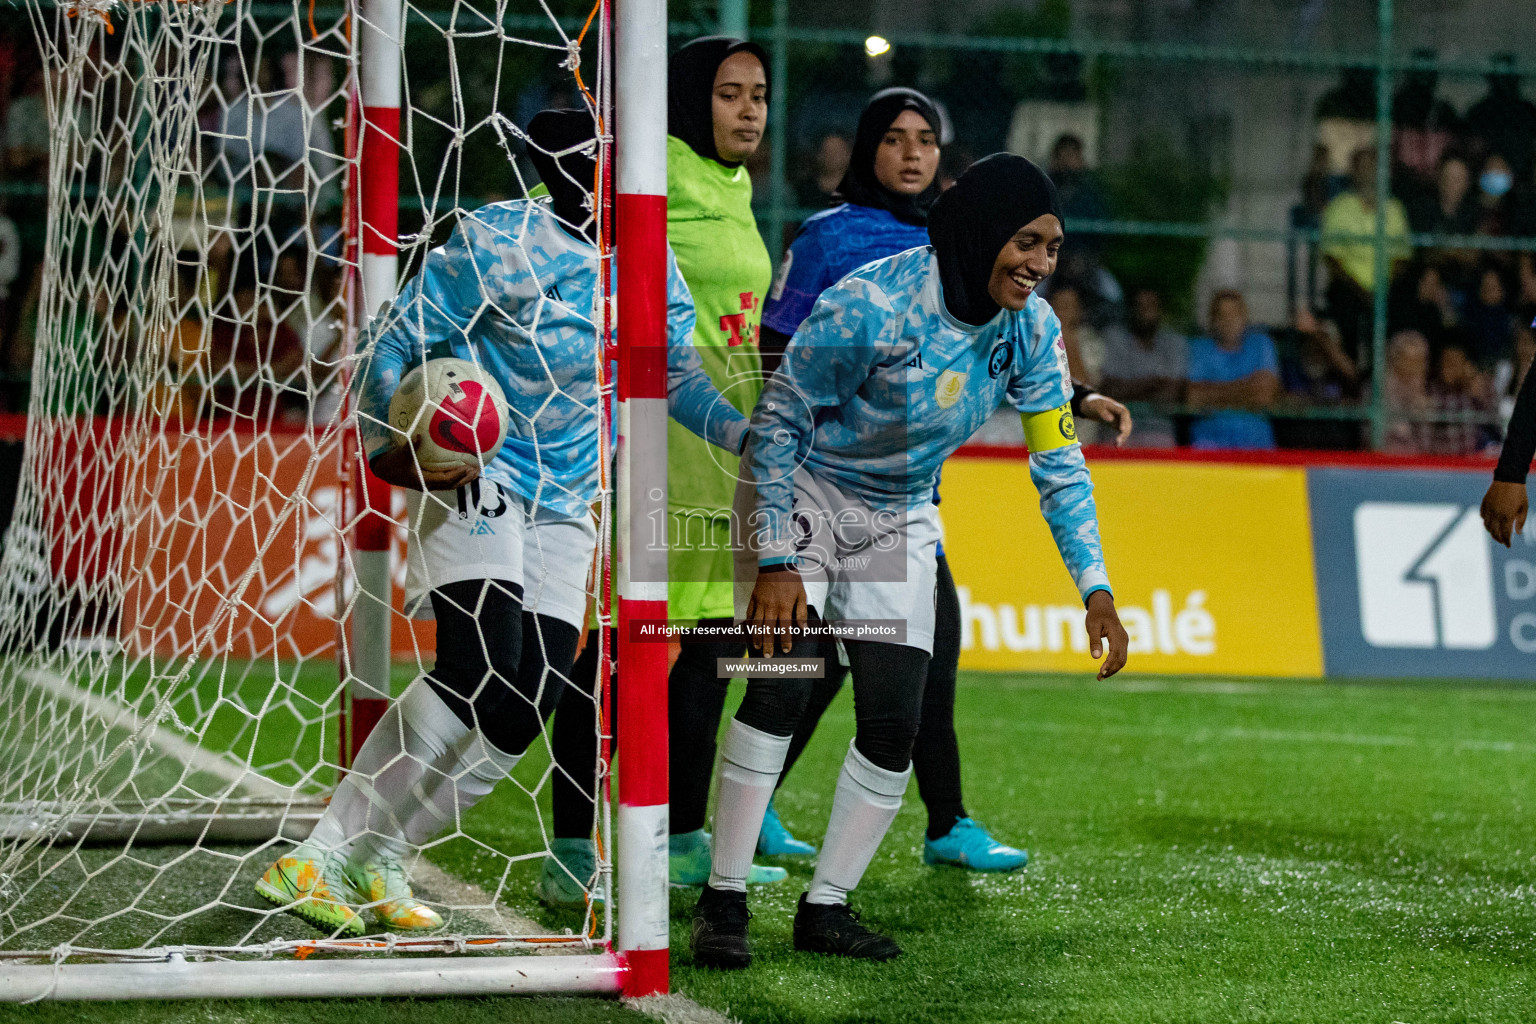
point(898, 364)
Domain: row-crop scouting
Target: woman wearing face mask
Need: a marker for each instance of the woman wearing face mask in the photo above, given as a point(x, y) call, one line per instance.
point(717, 108)
point(1499, 203)
point(894, 369)
point(887, 191)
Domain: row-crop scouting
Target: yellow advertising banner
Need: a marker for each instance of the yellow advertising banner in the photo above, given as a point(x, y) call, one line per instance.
point(1211, 567)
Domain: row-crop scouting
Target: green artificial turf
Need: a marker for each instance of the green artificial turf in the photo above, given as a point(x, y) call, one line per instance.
point(1202, 851)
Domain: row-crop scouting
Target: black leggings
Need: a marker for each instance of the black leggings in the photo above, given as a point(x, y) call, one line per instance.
point(574, 744)
point(888, 684)
point(936, 752)
point(695, 702)
point(492, 658)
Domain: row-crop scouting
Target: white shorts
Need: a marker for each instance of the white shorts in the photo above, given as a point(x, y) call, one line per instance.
point(485, 531)
point(856, 563)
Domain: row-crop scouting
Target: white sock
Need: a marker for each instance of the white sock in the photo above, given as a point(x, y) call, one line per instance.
point(472, 770)
point(416, 731)
point(750, 763)
point(863, 808)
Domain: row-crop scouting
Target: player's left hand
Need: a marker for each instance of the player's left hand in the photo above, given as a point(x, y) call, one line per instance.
point(1504, 510)
point(1102, 407)
point(1106, 636)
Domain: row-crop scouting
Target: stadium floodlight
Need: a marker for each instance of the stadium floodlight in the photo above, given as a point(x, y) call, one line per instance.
point(877, 46)
point(201, 593)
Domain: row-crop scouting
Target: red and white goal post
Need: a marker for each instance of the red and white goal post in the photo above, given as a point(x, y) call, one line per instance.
point(201, 588)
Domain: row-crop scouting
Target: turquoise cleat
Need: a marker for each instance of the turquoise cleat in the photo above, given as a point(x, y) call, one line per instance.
point(969, 845)
point(569, 867)
point(777, 841)
point(688, 862)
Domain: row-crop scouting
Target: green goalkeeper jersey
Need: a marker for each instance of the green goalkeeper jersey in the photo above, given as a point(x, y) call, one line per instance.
point(728, 271)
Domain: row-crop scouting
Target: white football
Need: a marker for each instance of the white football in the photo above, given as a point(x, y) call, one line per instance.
point(455, 409)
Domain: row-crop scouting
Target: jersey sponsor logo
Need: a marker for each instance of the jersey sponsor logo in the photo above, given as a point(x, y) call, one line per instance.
point(553, 292)
point(948, 388)
point(916, 362)
point(735, 325)
point(1001, 359)
point(1426, 580)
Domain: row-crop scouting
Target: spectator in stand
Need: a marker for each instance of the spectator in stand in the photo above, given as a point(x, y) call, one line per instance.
point(1351, 263)
point(1346, 122)
point(1316, 371)
point(1448, 208)
point(1504, 121)
point(1146, 361)
point(1236, 370)
point(1489, 326)
point(1407, 394)
point(1324, 373)
point(1421, 301)
point(1459, 387)
point(1423, 129)
point(1501, 206)
point(832, 155)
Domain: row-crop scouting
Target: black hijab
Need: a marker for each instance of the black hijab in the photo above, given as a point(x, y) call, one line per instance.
point(570, 176)
point(972, 221)
point(691, 89)
point(859, 185)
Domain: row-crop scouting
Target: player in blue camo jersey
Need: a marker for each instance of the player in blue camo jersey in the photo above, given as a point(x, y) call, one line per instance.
point(896, 367)
point(503, 561)
point(887, 191)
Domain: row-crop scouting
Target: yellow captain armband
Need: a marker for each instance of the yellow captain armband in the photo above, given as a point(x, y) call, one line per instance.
point(1046, 430)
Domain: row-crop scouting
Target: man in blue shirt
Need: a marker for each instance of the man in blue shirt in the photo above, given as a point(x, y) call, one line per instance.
point(1233, 369)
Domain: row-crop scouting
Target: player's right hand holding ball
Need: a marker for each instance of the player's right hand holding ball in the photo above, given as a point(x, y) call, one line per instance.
point(401, 467)
point(1106, 637)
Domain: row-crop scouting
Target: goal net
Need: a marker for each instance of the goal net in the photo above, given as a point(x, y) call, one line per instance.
point(202, 592)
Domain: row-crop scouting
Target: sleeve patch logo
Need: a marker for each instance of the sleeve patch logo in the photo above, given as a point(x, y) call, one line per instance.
point(948, 388)
point(1001, 359)
point(1068, 426)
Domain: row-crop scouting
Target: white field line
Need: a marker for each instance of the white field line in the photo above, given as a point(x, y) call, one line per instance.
point(677, 1008)
point(117, 716)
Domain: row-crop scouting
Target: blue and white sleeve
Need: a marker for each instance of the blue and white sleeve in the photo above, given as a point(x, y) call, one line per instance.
point(830, 357)
point(1041, 389)
point(692, 398)
point(438, 304)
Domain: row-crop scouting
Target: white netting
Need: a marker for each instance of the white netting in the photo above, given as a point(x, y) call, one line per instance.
point(176, 587)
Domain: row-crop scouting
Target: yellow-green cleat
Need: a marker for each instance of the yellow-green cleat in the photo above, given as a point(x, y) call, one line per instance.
point(383, 887)
point(308, 885)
